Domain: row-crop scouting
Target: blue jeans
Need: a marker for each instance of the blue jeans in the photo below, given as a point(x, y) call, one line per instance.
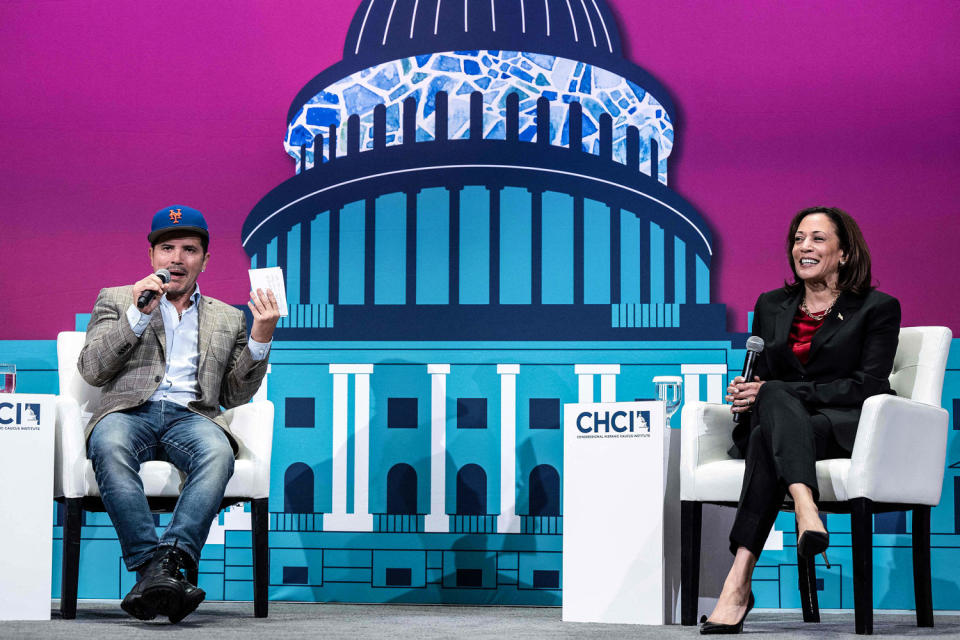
point(166, 431)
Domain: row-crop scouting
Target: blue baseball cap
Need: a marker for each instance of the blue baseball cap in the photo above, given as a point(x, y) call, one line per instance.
point(178, 218)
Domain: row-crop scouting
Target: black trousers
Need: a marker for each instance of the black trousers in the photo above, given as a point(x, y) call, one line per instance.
point(787, 439)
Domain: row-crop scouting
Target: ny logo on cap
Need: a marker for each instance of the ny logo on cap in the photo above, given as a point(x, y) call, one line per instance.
point(175, 216)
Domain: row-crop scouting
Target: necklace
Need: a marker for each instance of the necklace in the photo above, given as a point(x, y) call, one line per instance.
point(819, 315)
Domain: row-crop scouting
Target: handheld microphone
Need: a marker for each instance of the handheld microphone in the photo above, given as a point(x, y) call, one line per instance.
point(149, 294)
point(754, 347)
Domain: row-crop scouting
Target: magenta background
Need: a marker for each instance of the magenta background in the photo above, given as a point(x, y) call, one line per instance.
point(111, 110)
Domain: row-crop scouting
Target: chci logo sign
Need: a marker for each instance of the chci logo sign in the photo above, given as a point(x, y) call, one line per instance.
point(614, 424)
point(20, 415)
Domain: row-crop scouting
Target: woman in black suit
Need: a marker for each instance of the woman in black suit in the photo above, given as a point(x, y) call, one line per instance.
point(830, 339)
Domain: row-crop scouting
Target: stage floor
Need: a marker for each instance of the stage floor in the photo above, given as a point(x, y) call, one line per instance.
point(104, 620)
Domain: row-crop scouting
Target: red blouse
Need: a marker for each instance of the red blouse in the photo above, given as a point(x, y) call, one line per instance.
point(801, 334)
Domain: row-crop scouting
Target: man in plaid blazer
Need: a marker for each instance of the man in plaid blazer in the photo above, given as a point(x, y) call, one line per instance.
point(168, 358)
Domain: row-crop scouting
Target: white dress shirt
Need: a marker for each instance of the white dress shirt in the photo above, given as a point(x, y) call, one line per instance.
point(179, 382)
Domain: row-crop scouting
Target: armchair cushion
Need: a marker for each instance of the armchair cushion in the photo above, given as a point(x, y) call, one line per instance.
point(878, 469)
point(74, 476)
point(705, 466)
point(251, 425)
point(899, 452)
point(896, 437)
point(252, 428)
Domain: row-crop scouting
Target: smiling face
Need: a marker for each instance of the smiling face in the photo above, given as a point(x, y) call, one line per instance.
point(184, 258)
point(816, 250)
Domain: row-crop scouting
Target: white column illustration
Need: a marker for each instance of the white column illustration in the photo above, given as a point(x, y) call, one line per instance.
point(437, 520)
point(608, 381)
point(339, 460)
point(584, 386)
point(360, 519)
point(361, 449)
point(715, 386)
point(608, 385)
point(691, 381)
point(508, 521)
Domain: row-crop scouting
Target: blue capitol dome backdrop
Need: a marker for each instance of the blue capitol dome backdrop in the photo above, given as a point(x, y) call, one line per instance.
point(479, 230)
point(484, 170)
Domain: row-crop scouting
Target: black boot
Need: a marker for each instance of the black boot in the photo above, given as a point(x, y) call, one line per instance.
point(192, 594)
point(160, 590)
point(134, 604)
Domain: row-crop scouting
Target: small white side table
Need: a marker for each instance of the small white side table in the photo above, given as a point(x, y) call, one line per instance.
point(613, 489)
point(27, 424)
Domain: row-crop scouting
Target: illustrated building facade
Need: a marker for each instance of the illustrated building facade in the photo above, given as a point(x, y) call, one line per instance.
point(479, 231)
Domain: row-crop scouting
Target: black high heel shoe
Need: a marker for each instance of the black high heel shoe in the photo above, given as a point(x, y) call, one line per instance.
point(708, 627)
point(812, 543)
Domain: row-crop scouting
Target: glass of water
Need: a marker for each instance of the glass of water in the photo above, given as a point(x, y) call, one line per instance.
point(670, 390)
point(8, 378)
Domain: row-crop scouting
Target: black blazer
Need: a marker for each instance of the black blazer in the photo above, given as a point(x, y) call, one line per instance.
point(851, 356)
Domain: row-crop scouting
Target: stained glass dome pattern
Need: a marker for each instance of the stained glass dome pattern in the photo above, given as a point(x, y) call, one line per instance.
point(495, 74)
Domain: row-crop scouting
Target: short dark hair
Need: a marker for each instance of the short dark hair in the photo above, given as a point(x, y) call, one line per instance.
point(186, 233)
point(854, 274)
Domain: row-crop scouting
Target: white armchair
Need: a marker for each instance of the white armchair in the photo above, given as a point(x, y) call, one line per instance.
point(75, 484)
point(897, 464)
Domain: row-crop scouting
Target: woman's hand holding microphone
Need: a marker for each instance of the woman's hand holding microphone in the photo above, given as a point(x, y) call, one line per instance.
point(742, 394)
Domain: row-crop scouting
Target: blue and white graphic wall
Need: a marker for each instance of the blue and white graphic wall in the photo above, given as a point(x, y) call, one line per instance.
point(475, 236)
point(480, 229)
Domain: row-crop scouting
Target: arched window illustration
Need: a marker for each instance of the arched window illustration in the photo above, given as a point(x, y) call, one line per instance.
point(298, 489)
point(402, 489)
point(544, 491)
point(472, 491)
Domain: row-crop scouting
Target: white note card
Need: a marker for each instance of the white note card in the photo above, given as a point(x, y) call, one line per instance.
point(271, 278)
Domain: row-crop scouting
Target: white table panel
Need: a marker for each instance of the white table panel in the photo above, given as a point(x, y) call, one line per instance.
point(27, 424)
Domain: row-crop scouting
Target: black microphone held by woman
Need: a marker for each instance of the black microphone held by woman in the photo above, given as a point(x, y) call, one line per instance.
point(754, 347)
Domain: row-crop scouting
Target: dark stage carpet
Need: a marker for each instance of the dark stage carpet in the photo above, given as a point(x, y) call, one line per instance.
point(104, 620)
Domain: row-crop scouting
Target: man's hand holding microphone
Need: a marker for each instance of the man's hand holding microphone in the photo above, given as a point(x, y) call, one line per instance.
point(147, 292)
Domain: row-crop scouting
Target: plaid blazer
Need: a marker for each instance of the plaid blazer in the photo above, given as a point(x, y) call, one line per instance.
point(129, 369)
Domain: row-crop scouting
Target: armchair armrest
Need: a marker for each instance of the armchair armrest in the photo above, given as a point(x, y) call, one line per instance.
point(899, 452)
point(70, 450)
point(252, 427)
point(706, 433)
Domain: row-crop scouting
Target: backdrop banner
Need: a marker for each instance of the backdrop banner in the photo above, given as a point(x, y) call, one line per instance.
point(483, 211)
